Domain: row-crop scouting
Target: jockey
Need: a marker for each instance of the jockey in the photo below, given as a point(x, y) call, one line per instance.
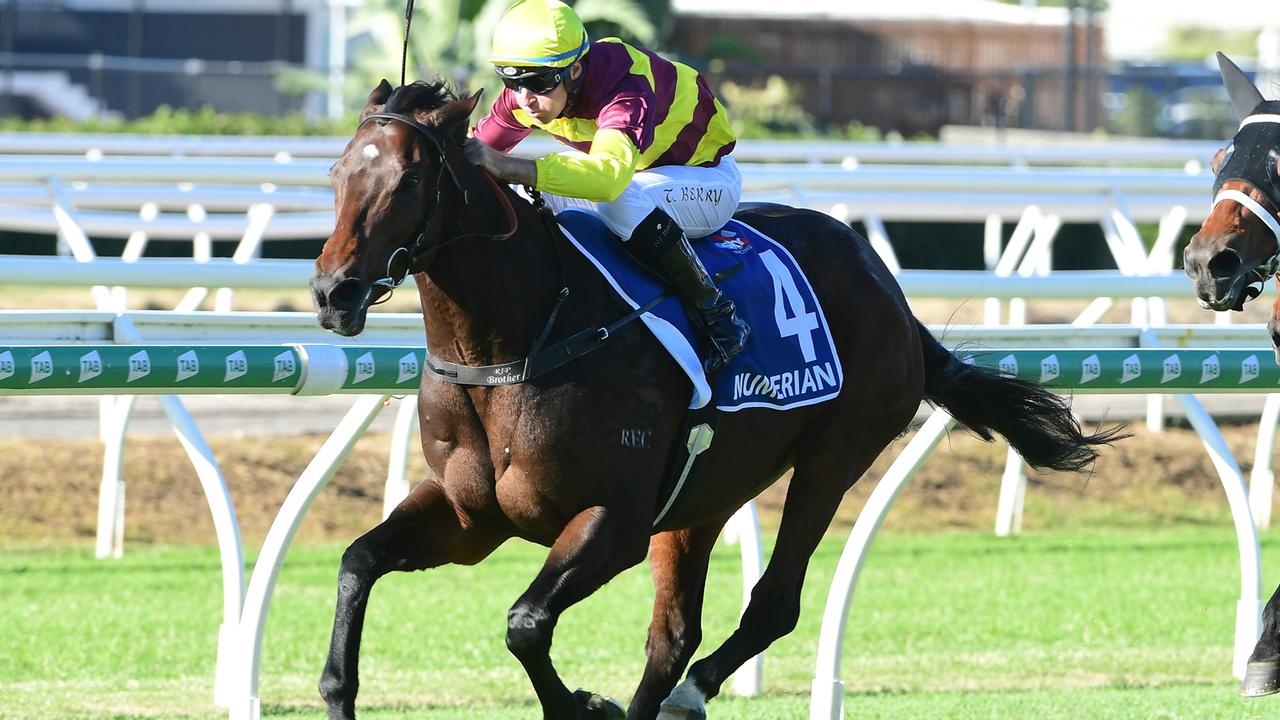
point(651, 145)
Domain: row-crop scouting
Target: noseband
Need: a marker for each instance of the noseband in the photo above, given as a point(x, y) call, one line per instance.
point(414, 252)
point(1259, 135)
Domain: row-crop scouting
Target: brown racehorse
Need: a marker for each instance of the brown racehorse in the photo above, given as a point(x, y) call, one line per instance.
point(1230, 257)
point(548, 460)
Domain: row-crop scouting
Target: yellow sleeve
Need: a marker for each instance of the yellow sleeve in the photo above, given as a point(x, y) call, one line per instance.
point(600, 175)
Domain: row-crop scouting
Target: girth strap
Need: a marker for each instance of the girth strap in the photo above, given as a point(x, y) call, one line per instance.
point(540, 361)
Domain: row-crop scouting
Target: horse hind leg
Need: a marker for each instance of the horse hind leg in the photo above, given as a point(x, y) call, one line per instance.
point(1262, 673)
point(423, 532)
point(817, 485)
point(596, 545)
point(679, 561)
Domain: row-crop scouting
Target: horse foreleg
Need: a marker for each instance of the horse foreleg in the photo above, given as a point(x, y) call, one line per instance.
point(816, 489)
point(679, 565)
point(1262, 673)
point(422, 532)
point(596, 545)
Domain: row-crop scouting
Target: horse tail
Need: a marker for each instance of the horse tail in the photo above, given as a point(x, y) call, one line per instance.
point(1037, 423)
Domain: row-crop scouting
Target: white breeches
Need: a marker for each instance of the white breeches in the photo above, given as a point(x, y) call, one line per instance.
point(700, 199)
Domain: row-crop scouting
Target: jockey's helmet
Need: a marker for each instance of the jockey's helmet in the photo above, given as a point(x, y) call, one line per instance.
point(535, 41)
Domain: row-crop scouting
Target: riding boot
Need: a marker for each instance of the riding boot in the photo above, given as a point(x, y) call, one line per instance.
point(659, 243)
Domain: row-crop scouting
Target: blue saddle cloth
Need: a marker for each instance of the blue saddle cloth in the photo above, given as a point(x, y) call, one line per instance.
point(789, 361)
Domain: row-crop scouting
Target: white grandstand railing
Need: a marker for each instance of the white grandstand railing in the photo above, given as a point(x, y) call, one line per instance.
point(787, 151)
point(280, 274)
point(756, 176)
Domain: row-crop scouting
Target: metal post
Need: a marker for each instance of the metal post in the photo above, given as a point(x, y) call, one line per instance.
point(1069, 71)
point(7, 104)
point(134, 104)
point(337, 55)
point(744, 529)
point(1090, 65)
point(284, 33)
point(826, 700)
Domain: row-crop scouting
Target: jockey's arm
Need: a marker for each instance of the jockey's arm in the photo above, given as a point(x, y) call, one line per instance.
point(517, 170)
point(492, 138)
point(599, 175)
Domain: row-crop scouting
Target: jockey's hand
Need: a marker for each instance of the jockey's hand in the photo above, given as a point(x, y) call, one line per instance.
point(501, 166)
point(479, 154)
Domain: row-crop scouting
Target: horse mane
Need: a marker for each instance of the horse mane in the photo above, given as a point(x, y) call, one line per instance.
point(419, 95)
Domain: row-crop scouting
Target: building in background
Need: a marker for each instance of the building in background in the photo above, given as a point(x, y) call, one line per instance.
point(912, 66)
point(127, 57)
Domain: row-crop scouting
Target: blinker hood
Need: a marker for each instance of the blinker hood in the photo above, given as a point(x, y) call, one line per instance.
point(1252, 155)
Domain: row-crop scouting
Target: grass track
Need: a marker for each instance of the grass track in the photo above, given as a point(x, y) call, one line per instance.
point(1103, 624)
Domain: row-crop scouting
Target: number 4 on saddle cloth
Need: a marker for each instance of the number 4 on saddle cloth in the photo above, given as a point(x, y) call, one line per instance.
point(789, 360)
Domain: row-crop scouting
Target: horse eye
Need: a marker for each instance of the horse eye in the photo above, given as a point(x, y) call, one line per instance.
point(410, 181)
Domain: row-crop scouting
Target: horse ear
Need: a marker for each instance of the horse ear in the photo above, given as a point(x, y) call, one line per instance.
point(377, 97)
point(1245, 96)
point(454, 115)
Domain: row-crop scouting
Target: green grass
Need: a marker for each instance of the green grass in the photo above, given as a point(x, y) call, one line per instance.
point(1103, 624)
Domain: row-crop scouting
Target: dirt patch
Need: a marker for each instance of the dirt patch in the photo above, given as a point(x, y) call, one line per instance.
point(50, 487)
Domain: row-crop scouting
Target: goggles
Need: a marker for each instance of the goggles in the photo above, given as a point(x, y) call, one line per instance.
point(538, 83)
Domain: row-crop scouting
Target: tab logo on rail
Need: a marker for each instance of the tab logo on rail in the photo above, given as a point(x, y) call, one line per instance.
point(285, 367)
point(1210, 369)
point(1250, 369)
point(1172, 368)
point(41, 367)
point(1090, 369)
point(139, 365)
point(365, 367)
point(1008, 366)
point(237, 366)
point(188, 366)
point(7, 366)
point(1131, 369)
point(408, 368)
point(1049, 369)
point(90, 366)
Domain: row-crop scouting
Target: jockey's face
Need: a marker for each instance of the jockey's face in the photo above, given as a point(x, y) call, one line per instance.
point(546, 107)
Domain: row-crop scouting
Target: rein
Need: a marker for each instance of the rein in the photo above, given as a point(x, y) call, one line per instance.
point(413, 252)
point(540, 360)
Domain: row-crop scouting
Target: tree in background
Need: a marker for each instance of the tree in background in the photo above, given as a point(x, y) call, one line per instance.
point(451, 38)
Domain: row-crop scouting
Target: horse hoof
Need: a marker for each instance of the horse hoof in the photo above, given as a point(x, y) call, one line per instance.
point(672, 712)
point(1261, 678)
point(599, 706)
point(686, 702)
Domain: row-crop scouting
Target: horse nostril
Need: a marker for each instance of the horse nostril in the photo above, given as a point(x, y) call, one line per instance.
point(1224, 265)
point(348, 294)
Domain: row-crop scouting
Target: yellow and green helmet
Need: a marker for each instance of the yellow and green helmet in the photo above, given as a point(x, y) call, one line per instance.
point(538, 34)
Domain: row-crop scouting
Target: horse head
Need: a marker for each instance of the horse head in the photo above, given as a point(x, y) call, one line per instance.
point(398, 189)
point(1235, 250)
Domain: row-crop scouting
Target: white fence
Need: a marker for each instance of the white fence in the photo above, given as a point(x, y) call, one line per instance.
point(245, 609)
point(1130, 152)
point(255, 190)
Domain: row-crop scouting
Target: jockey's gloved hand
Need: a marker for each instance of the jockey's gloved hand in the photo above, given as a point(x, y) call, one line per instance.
point(501, 166)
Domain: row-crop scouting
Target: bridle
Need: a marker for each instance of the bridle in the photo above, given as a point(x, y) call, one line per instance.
point(1257, 167)
point(540, 360)
point(413, 255)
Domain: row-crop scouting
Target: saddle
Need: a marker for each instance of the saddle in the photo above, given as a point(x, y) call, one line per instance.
point(789, 360)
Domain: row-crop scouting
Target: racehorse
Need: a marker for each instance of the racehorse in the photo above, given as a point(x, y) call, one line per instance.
point(1235, 251)
point(554, 459)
